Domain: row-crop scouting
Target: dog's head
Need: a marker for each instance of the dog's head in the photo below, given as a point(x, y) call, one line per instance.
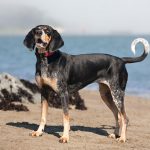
point(44, 38)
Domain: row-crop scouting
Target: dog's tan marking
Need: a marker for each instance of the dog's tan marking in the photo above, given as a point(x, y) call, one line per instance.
point(47, 38)
point(65, 136)
point(124, 121)
point(38, 81)
point(50, 81)
point(44, 110)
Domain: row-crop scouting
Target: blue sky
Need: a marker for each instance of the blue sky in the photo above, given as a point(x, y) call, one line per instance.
point(77, 16)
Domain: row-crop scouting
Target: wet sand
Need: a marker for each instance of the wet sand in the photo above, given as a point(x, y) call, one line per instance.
point(89, 129)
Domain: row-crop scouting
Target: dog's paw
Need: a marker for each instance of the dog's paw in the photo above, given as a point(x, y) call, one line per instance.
point(113, 136)
point(121, 140)
point(35, 133)
point(64, 139)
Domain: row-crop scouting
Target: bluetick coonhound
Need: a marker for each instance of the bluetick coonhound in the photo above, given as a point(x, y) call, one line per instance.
point(69, 73)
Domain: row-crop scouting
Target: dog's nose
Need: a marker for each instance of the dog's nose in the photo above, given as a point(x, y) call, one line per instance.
point(39, 41)
point(38, 32)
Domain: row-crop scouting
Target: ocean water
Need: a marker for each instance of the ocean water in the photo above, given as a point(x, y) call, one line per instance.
point(19, 61)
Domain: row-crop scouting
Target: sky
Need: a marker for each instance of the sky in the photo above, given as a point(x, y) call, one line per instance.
point(83, 17)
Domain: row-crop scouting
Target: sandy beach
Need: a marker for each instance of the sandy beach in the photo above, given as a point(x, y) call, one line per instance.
point(89, 129)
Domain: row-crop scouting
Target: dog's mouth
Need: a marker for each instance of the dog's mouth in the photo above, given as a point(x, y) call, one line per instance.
point(41, 46)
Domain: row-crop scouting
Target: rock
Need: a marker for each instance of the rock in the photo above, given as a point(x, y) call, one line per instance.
point(15, 93)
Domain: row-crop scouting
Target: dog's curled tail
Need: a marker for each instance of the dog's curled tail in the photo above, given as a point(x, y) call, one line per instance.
point(133, 46)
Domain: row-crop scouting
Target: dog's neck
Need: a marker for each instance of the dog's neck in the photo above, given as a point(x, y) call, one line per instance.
point(44, 53)
point(44, 61)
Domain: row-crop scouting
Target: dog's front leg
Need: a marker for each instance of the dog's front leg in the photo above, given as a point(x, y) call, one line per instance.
point(44, 110)
point(64, 100)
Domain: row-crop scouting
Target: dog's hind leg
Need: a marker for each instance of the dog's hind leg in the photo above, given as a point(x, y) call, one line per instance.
point(124, 123)
point(107, 98)
point(118, 98)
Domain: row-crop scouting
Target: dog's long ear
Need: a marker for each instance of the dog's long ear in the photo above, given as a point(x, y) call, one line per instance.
point(56, 41)
point(29, 41)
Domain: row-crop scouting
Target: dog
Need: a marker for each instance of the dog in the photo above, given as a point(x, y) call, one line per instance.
point(66, 74)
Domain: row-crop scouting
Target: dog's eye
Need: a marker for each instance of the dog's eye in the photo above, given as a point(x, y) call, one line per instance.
point(38, 32)
point(47, 32)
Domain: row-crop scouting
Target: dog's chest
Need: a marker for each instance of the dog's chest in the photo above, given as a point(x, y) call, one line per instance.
point(46, 75)
point(51, 81)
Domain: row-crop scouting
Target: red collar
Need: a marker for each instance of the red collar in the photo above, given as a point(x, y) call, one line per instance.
point(47, 54)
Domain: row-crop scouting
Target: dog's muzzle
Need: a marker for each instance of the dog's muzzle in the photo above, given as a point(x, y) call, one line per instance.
point(40, 44)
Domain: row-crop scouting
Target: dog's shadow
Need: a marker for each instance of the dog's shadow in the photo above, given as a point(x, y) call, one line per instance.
point(54, 130)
